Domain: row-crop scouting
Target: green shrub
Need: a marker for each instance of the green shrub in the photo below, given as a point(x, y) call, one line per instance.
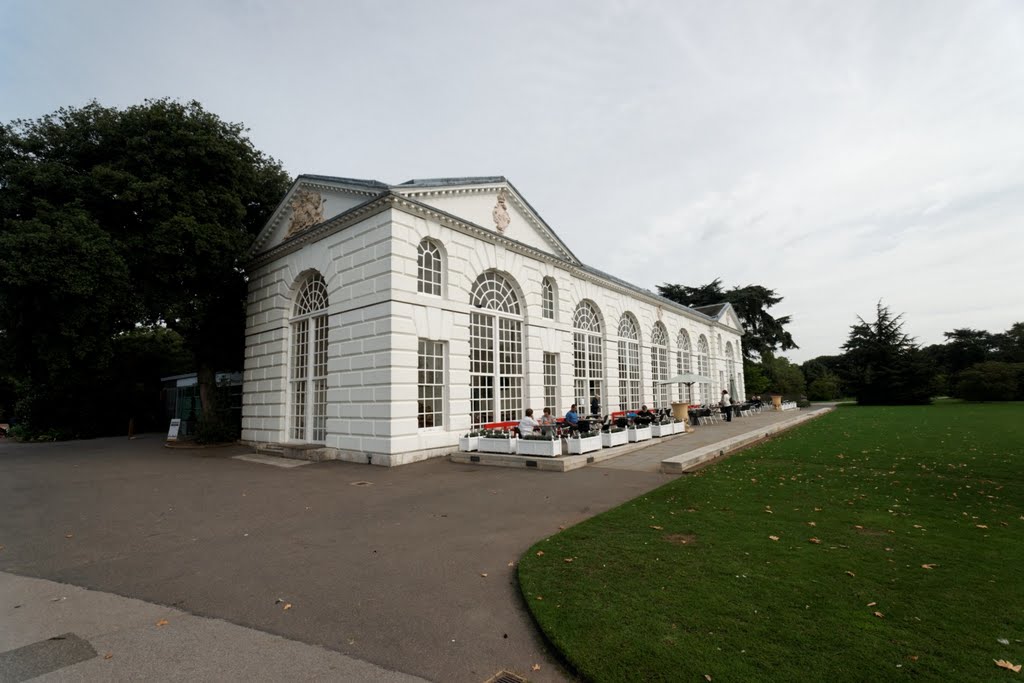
point(991, 381)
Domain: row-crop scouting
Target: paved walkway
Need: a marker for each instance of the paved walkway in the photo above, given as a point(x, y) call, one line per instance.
point(55, 632)
point(411, 569)
point(649, 459)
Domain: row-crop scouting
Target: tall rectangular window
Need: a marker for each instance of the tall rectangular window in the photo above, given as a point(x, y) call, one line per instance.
point(300, 369)
point(551, 383)
point(430, 384)
point(510, 369)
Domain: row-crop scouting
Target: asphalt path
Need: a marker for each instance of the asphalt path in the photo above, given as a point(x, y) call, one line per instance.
point(410, 568)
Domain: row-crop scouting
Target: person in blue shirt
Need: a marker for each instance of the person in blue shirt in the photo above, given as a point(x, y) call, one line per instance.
point(572, 418)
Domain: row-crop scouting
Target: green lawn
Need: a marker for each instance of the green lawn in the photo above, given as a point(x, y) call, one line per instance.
point(687, 581)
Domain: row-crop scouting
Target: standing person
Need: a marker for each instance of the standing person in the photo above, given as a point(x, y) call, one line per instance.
point(595, 404)
point(547, 422)
point(726, 405)
point(528, 425)
point(572, 418)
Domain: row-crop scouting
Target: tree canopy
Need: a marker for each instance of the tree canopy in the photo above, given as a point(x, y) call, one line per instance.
point(763, 333)
point(883, 363)
point(112, 219)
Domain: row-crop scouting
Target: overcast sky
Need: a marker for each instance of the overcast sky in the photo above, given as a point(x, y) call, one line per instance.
point(838, 152)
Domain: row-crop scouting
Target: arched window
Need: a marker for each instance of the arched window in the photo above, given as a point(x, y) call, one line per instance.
point(659, 365)
point(683, 365)
point(704, 368)
point(547, 298)
point(495, 351)
point(308, 377)
point(588, 359)
point(629, 363)
point(428, 268)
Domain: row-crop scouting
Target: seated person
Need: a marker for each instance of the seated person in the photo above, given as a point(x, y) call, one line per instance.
point(572, 418)
point(547, 422)
point(644, 417)
point(528, 425)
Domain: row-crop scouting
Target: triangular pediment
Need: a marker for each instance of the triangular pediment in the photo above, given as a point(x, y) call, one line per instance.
point(491, 203)
point(311, 201)
point(728, 317)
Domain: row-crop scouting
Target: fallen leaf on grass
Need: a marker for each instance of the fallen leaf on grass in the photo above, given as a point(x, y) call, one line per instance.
point(811, 524)
point(162, 622)
point(707, 677)
point(913, 658)
point(849, 573)
point(654, 526)
point(872, 604)
point(540, 597)
point(814, 540)
point(857, 526)
point(108, 655)
point(879, 615)
point(774, 538)
point(535, 667)
point(566, 559)
point(540, 553)
point(1003, 664)
point(981, 526)
point(929, 566)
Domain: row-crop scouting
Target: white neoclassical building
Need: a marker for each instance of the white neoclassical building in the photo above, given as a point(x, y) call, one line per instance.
point(384, 321)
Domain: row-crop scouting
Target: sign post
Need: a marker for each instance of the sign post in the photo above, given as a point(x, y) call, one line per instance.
point(172, 433)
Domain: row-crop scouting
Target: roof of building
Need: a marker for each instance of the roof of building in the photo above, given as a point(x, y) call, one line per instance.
point(445, 182)
point(376, 184)
point(711, 310)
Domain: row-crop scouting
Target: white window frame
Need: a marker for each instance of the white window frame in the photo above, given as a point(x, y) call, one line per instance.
point(431, 380)
point(429, 268)
point(308, 367)
point(630, 397)
point(497, 351)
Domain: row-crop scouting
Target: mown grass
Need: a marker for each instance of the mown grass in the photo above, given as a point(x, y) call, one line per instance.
point(885, 491)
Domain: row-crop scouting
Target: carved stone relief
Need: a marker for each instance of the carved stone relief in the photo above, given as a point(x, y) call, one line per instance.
point(307, 209)
point(500, 213)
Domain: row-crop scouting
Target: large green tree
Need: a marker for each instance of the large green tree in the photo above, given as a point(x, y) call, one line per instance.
point(883, 364)
point(763, 333)
point(115, 218)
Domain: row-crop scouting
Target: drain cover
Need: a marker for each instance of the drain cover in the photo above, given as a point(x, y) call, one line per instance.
point(361, 483)
point(505, 677)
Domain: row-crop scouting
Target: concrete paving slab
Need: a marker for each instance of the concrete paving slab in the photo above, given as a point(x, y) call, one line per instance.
point(272, 460)
point(117, 638)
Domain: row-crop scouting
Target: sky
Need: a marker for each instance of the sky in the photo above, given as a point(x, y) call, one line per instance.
point(841, 153)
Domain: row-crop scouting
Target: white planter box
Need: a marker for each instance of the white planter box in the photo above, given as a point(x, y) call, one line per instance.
point(659, 431)
point(609, 439)
point(591, 443)
point(640, 434)
point(548, 448)
point(468, 444)
point(679, 427)
point(504, 446)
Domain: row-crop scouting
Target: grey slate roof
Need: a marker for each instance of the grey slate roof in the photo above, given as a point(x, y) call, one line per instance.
point(444, 182)
point(711, 310)
point(375, 184)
